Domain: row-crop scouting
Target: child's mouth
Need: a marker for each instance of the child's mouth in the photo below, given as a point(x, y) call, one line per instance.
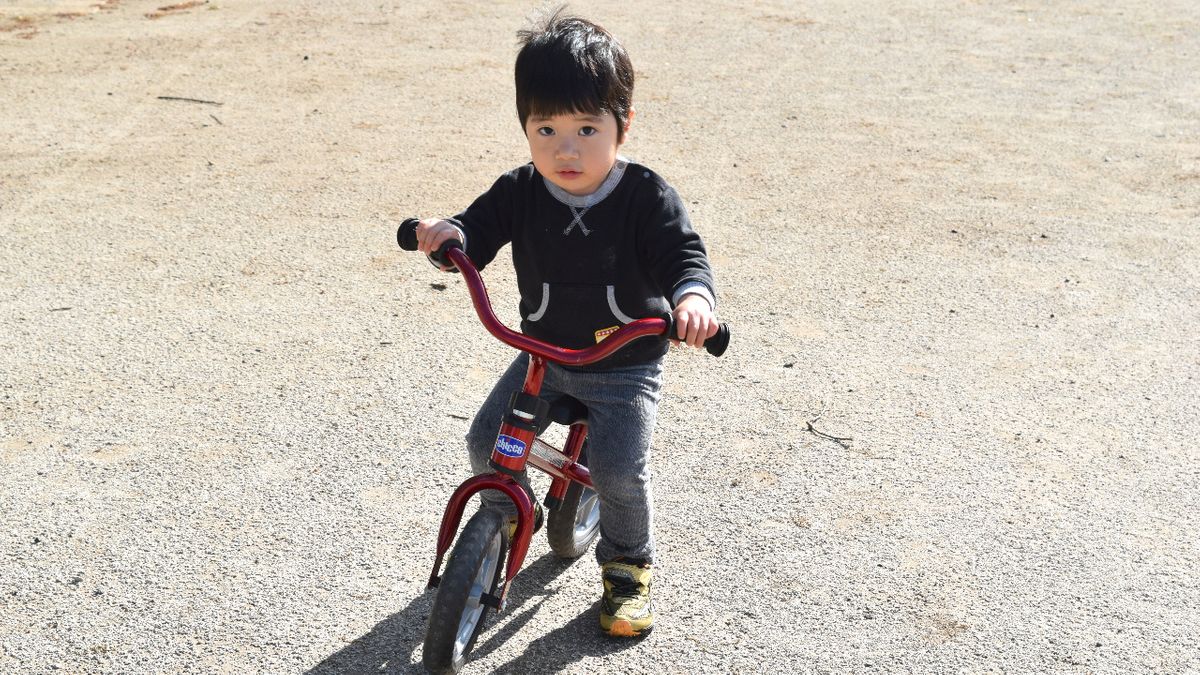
point(569, 174)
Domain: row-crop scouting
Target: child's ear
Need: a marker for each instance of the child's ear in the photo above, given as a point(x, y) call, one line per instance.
point(628, 123)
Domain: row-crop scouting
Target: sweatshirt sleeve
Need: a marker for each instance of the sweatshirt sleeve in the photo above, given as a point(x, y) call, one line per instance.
point(487, 223)
point(671, 249)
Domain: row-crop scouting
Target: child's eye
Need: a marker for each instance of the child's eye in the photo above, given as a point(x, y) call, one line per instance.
point(588, 131)
point(545, 131)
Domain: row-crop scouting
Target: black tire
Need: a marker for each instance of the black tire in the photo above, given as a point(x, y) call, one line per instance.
point(458, 616)
point(574, 524)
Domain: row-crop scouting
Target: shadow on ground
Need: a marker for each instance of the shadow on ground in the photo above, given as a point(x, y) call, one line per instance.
point(562, 646)
point(390, 647)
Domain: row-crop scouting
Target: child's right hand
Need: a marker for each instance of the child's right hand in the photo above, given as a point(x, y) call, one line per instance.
point(432, 233)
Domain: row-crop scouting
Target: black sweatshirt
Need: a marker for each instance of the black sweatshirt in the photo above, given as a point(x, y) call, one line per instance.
point(586, 265)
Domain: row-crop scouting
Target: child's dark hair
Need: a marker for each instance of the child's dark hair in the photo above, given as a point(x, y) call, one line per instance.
point(570, 65)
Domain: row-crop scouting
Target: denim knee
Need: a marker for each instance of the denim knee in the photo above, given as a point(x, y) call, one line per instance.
point(480, 439)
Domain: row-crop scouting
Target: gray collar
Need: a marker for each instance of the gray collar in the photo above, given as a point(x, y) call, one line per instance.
point(588, 201)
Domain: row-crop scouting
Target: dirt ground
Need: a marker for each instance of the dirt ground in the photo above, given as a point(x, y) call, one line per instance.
point(960, 237)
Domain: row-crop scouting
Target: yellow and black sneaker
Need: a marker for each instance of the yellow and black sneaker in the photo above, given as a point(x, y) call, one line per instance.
point(625, 610)
point(537, 522)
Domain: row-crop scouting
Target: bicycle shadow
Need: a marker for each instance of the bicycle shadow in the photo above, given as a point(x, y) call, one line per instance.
point(387, 648)
point(390, 645)
point(571, 642)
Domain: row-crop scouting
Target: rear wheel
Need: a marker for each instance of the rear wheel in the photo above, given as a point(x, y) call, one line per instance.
point(473, 569)
point(575, 523)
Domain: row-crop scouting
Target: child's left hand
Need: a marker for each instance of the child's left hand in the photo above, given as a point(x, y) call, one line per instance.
point(695, 321)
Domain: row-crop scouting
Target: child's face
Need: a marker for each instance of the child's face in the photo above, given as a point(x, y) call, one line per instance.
point(574, 151)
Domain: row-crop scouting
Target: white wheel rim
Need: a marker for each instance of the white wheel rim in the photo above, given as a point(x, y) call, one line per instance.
point(587, 516)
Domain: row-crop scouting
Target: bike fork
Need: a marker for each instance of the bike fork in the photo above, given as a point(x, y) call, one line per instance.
point(519, 545)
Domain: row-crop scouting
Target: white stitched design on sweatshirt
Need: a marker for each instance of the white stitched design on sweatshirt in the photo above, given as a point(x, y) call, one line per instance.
point(616, 311)
point(578, 220)
point(541, 311)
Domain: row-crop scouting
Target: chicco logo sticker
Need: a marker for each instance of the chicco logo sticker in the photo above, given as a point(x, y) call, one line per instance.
point(509, 446)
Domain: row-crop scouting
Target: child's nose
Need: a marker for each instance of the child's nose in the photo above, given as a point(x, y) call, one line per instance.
point(567, 149)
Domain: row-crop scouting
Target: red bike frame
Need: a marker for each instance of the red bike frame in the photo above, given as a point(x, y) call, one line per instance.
point(539, 354)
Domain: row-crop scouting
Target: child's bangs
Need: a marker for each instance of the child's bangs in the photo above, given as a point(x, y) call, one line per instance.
point(545, 108)
point(565, 92)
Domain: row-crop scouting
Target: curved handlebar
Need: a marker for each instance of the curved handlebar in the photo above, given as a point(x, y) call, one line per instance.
point(451, 253)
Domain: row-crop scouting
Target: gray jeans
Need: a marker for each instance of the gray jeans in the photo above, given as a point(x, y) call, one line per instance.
point(622, 404)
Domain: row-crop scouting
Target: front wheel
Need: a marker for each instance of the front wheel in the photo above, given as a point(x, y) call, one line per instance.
point(575, 523)
point(473, 569)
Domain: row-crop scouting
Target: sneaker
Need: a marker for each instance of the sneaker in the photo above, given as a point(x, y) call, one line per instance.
point(537, 521)
point(625, 610)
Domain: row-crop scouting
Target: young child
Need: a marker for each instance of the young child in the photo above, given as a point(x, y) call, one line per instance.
point(597, 241)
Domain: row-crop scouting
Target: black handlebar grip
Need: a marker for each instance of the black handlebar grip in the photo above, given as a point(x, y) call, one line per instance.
point(718, 343)
point(715, 345)
point(439, 256)
point(406, 235)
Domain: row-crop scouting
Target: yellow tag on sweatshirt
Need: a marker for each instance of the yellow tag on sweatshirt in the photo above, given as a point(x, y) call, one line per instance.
point(605, 332)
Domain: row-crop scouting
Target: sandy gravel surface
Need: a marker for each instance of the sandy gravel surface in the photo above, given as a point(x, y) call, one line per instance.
point(963, 234)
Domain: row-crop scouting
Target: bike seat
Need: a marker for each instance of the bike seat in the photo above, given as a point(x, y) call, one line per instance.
point(567, 410)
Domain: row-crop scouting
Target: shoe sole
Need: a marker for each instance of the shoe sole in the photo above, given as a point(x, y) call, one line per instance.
point(623, 628)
